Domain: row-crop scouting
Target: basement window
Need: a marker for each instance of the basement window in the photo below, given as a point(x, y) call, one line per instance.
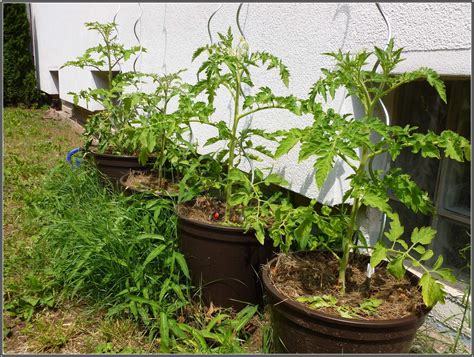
point(55, 77)
point(447, 182)
point(100, 77)
point(101, 80)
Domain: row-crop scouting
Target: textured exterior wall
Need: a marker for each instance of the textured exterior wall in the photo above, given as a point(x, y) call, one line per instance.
point(436, 35)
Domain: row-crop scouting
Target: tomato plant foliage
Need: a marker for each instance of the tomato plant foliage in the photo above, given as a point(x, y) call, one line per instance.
point(228, 66)
point(333, 136)
point(121, 96)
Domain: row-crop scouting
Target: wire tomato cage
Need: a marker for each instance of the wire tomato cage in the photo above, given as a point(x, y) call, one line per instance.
point(248, 122)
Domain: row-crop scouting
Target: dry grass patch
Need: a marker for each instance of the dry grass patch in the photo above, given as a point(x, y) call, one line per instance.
point(75, 329)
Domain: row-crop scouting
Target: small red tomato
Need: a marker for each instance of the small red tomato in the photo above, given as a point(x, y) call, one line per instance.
point(216, 215)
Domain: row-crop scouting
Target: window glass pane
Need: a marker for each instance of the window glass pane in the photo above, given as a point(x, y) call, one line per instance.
point(451, 238)
point(456, 181)
point(446, 181)
point(418, 104)
point(456, 195)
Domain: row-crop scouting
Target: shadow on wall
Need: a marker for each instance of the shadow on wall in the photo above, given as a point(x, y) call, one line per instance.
point(334, 179)
point(344, 10)
point(164, 32)
point(35, 48)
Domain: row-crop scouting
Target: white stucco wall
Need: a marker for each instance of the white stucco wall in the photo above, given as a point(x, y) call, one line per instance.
point(437, 35)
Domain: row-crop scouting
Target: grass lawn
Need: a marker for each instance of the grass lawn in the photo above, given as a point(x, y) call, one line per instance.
point(88, 270)
point(33, 145)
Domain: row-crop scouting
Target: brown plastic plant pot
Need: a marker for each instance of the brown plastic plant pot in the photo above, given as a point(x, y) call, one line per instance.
point(224, 262)
point(299, 329)
point(128, 190)
point(115, 166)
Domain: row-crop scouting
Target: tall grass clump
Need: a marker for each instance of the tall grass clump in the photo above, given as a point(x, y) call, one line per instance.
point(120, 253)
point(115, 251)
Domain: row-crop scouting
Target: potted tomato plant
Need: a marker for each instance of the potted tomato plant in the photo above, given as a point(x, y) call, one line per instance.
point(222, 234)
point(164, 135)
point(108, 134)
point(350, 296)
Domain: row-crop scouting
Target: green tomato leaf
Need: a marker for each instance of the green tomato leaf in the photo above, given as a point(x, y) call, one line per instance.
point(275, 179)
point(238, 198)
point(438, 263)
point(286, 145)
point(344, 312)
point(431, 290)
point(379, 253)
point(424, 235)
point(369, 306)
point(402, 243)
point(237, 176)
point(376, 201)
point(323, 166)
point(259, 232)
point(446, 274)
point(419, 249)
point(426, 255)
point(303, 231)
point(396, 268)
point(318, 302)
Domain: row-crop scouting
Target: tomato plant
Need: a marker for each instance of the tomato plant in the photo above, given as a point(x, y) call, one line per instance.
point(333, 136)
point(228, 66)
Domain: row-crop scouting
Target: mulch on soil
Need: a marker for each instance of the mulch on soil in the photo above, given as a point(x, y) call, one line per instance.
point(316, 274)
point(149, 182)
point(210, 210)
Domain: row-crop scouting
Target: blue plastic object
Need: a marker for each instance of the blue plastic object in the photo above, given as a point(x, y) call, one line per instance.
point(70, 154)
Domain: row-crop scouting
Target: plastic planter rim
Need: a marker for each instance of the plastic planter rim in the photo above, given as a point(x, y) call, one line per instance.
point(111, 155)
point(237, 234)
point(311, 313)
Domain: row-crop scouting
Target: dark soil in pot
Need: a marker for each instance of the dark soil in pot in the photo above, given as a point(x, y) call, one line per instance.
point(148, 182)
point(224, 261)
point(298, 328)
point(210, 210)
point(115, 166)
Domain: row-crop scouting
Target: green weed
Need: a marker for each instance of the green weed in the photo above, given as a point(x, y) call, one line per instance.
point(121, 254)
point(114, 250)
point(202, 330)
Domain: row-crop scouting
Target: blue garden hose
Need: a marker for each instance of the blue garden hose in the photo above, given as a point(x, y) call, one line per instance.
point(69, 157)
